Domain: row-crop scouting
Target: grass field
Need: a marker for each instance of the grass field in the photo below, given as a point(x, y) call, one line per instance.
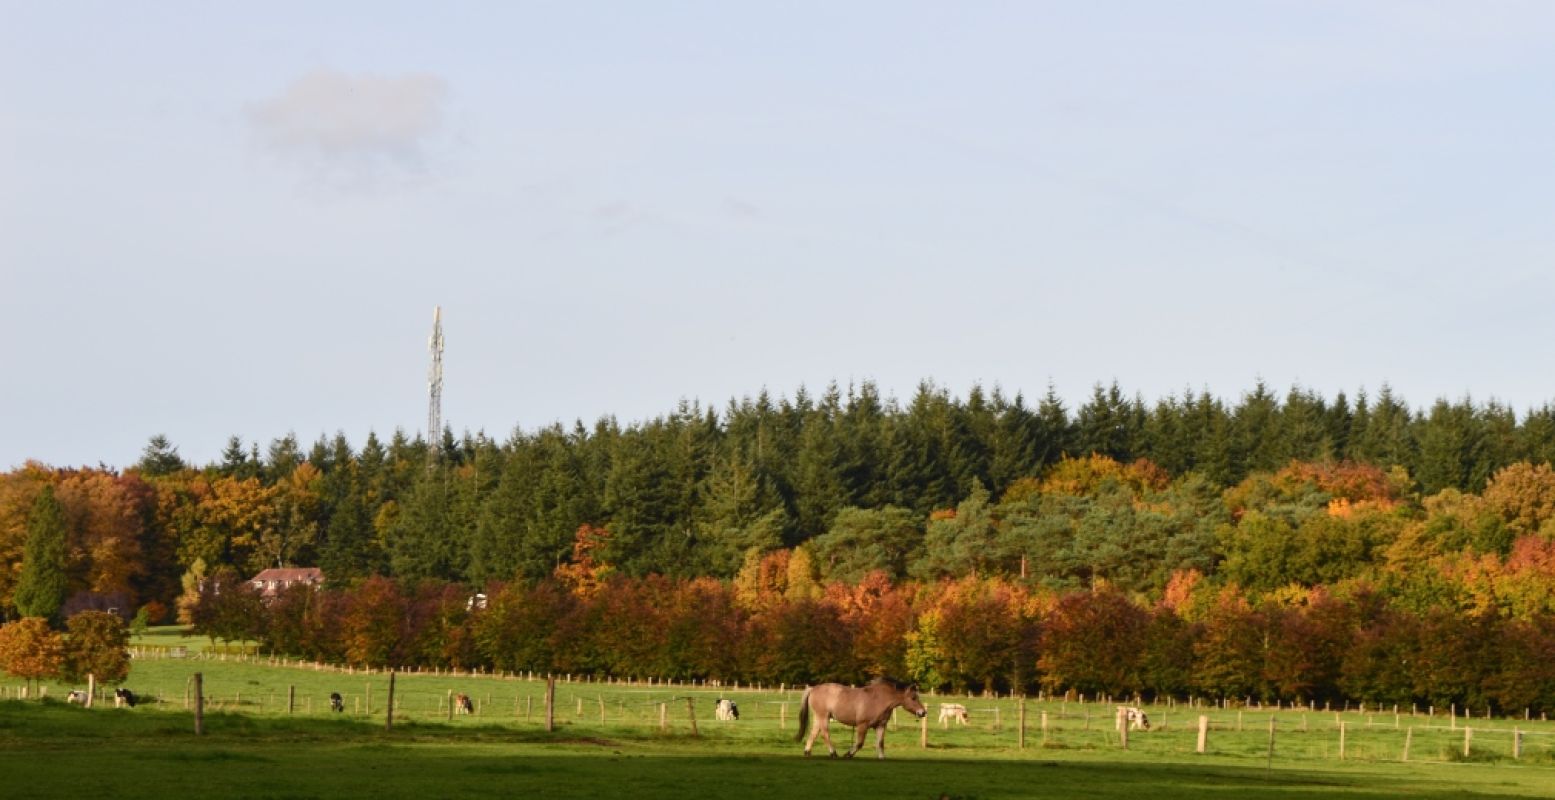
point(254, 747)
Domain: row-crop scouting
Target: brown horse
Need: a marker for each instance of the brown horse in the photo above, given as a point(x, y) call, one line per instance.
point(869, 707)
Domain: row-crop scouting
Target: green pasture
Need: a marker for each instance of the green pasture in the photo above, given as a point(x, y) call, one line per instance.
point(268, 733)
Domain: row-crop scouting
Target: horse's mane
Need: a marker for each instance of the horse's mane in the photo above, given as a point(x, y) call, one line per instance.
point(892, 682)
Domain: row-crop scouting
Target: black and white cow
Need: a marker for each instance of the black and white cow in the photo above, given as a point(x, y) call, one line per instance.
point(336, 702)
point(726, 710)
point(77, 697)
point(463, 704)
point(1134, 717)
point(123, 697)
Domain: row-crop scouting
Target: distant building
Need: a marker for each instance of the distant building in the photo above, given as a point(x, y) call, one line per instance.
point(273, 581)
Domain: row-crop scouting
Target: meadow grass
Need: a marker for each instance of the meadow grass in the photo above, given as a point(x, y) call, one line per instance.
point(254, 748)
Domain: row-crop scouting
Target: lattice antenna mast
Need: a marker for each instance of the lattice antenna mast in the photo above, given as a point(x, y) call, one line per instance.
point(435, 388)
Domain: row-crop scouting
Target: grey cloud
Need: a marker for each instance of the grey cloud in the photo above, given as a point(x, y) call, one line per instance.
point(353, 128)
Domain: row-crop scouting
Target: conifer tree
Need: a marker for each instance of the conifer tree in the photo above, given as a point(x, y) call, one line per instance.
point(40, 592)
point(159, 458)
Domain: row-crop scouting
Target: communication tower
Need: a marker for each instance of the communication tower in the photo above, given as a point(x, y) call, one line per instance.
point(435, 388)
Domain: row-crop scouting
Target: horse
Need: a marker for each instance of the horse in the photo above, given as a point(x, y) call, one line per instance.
point(124, 697)
point(726, 710)
point(336, 702)
point(462, 704)
point(955, 711)
point(869, 707)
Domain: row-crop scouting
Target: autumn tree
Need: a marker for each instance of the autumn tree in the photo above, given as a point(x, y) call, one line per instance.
point(97, 644)
point(30, 650)
point(1091, 642)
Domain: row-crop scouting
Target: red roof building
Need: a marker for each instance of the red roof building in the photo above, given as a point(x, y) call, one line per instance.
point(272, 581)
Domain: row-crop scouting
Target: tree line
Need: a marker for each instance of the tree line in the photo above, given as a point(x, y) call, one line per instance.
point(936, 486)
point(776, 623)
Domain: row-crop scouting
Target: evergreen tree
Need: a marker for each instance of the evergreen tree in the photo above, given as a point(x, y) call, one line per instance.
point(284, 457)
point(159, 458)
point(40, 591)
point(1255, 444)
point(1055, 433)
point(235, 461)
point(1011, 438)
point(1109, 424)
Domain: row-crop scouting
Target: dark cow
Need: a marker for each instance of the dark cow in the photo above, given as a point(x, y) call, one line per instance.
point(726, 710)
point(336, 702)
point(123, 697)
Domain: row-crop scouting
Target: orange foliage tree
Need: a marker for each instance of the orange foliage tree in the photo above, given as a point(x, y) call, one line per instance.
point(30, 650)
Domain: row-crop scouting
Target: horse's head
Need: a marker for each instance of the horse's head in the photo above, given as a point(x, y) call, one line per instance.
point(911, 702)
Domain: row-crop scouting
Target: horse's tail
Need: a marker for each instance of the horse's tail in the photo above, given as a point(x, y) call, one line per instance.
point(804, 716)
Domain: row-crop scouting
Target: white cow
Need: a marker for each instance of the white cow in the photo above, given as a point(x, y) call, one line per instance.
point(1135, 717)
point(955, 711)
point(726, 710)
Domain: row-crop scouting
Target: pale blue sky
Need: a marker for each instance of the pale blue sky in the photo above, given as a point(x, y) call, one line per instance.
point(218, 221)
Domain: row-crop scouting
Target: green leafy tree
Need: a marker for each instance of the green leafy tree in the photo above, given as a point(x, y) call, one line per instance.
point(41, 590)
point(97, 644)
point(864, 540)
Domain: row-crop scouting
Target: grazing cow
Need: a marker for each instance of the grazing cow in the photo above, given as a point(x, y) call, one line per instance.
point(1135, 717)
point(462, 704)
point(955, 711)
point(726, 710)
point(336, 702)
point(124, 697)
point(78, 697)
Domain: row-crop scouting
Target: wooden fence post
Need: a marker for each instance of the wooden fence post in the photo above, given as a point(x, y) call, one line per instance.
point(691, 713)
point(291, 699)
point(1203, 733)
point(1468, 736)
point(91, 688)
point(1341, 741)
point(664, 721)
point(1517, 743)
point(550, 704)
point(1270, 763)
point(199, 704)
point(388, 719)
point(369, 702)
point(1020, 738)
point(1409, 736)
point(782, 716)
point(923, 732)
point(1123, 728)
point(602, 711)
point(450, 698)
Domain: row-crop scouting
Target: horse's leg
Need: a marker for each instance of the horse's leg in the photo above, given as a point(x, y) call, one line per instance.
point(880, 742)
point(860, 732)
point(826, 734)
point(815, 730)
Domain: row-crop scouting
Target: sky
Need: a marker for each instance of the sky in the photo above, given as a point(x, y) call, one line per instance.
point(236, 219)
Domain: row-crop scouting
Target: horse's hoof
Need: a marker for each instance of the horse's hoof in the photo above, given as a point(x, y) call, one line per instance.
point(833, 755)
